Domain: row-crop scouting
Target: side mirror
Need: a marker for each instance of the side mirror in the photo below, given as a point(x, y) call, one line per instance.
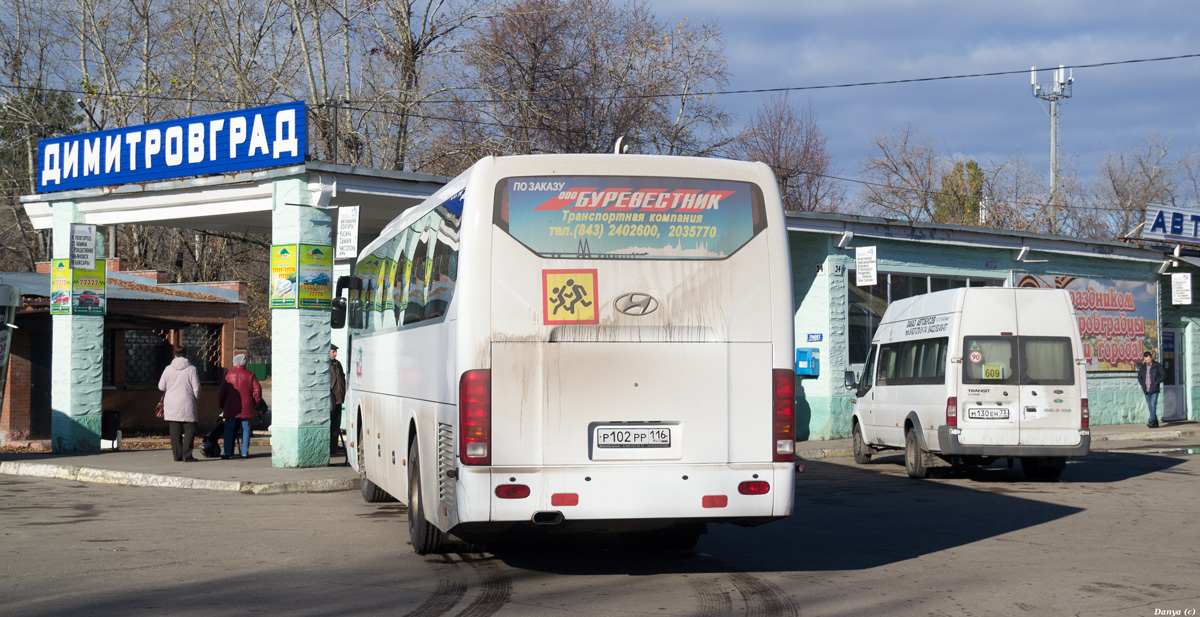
point(851, 381)
point(337, 314)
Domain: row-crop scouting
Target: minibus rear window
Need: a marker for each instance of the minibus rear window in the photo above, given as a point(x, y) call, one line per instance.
point(990, 360)
point(1043, 360)
point(618, 217)
point(1047, 361)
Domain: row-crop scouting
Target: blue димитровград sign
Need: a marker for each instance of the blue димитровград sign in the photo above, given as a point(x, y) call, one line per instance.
point(269, 136)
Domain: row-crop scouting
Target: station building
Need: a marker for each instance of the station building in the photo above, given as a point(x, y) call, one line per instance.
point(1122, 293)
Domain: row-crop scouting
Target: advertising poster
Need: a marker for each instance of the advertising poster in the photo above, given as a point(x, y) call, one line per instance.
point(60, 287)
point(315, 273)
point(87, 289)
point(1118, 320)
point(283, 276)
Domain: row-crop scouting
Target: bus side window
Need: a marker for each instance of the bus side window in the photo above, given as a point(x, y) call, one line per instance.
point(443, 274)
point(414, 310)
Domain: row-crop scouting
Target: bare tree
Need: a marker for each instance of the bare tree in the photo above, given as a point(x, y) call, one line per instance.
point(789, 141)
point(574, 75)
point(902, 175)
point(1127, 181)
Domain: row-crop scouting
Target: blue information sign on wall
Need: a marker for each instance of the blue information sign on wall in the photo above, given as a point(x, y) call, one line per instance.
point(270, 136)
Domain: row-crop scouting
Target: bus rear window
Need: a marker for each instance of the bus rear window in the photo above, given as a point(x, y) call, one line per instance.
point(610, 217)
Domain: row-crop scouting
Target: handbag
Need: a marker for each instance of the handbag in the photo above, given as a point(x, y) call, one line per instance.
point(158, 410)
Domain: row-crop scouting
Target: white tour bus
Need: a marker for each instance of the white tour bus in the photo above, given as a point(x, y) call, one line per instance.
point(578, 342)
point(965, 376)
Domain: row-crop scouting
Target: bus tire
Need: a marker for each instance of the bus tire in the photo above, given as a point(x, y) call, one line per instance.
point(371, 493)
point(425, 538)
point(914, 456)
point(862, 452)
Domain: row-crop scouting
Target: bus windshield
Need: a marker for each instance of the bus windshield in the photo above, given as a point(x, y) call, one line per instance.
point(611, 217)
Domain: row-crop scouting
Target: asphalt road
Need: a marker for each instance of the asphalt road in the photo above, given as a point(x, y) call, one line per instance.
point(1117, 536)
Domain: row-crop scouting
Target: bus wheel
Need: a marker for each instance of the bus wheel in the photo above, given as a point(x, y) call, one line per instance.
point(370, 492)
point(914, 457)
point(425, 537)
point(862, 452)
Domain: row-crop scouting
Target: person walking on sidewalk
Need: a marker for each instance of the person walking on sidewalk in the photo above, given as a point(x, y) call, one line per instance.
point(181, 387)
point(238, 397)
point(337, 396)
point(1151, 376)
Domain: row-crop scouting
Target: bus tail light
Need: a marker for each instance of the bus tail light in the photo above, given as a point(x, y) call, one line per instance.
point(512, 491)
point(784, 413)
point(754, 487)
point(475, 418)
point(952, 411)
point(1085, 419)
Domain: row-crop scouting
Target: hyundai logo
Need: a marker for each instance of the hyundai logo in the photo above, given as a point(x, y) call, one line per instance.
point(636, 304)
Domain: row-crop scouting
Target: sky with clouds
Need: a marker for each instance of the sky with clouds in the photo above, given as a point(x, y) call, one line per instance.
point(781, 43)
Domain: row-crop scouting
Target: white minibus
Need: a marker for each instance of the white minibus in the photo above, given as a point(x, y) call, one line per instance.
point(598, 343)
point(966, 376)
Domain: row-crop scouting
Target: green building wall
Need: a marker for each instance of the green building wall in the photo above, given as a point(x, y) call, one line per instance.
point(821, 278)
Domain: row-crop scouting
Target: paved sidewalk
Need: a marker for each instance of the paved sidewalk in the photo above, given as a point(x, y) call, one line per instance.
point(253, 475)
point(256, 476)
point(1103, 438)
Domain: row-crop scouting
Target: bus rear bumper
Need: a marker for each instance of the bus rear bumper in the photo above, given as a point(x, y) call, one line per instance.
point(629, 497)
point(951, 446)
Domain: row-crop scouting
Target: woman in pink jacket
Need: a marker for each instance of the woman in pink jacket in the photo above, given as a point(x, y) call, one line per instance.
point(181, 387)
point(238, 397)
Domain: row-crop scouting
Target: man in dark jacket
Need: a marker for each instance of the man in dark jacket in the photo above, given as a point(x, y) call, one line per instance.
point(337, 395)
point(1151, 376)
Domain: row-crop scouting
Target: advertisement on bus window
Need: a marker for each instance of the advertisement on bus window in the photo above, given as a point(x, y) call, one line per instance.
point(1118, 320)
point(630, 217)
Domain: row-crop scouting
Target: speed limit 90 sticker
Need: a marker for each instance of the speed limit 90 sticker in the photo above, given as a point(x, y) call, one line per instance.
point(976, 357)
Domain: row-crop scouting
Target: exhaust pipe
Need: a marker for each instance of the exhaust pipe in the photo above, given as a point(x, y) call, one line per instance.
point(547, 518)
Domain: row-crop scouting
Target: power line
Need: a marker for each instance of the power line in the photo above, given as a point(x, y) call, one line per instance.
point(860, 84)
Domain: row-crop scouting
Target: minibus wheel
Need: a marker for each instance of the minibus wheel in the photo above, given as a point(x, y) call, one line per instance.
point(862, 452)
point(914, 457)
point(425, 537)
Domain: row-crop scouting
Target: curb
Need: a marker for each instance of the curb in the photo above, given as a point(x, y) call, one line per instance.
point(1146, 435)
point(825, 453)
point(131, 478)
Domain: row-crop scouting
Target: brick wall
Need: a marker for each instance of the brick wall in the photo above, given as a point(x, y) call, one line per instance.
point(14, 415)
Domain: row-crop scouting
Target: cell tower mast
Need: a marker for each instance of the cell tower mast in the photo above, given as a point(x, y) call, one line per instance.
point(1053, 92)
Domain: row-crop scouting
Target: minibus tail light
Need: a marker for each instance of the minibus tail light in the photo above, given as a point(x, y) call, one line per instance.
point(475, 418)
point(952, 411)
point(1085, 419)
point(784, 413)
